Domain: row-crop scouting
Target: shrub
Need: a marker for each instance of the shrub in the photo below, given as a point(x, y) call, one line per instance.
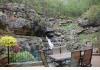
point(88, 37)
point(72, 26)
point(22, 57)
point(93, 15)
point(8, 41)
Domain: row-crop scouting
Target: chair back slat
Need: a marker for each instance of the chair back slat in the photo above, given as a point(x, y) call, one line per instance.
point(44, 58)
point(86, 60)
point(75, 56)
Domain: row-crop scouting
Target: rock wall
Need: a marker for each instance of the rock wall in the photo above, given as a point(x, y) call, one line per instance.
point(21, 19)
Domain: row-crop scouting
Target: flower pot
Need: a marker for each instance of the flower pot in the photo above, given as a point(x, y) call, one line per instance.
point(4, 61)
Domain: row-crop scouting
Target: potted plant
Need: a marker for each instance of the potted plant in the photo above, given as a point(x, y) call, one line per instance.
point(8, 41)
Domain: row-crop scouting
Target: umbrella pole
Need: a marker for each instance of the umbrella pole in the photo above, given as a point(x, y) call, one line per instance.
point(60, 49)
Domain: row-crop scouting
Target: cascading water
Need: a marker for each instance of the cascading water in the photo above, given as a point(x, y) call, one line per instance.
point(50, 43)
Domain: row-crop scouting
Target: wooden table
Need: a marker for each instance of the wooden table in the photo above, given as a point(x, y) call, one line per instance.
point(59, 58)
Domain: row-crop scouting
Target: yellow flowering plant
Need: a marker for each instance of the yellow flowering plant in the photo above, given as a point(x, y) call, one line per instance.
point(8, 41)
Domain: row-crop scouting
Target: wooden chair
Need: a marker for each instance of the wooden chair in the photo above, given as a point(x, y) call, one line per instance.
point(86, 59)
point(55, 50)
point(75, 58)
point(43, 58)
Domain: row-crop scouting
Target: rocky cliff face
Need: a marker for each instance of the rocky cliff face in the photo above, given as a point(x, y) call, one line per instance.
point(20, 19)
point(23, 20)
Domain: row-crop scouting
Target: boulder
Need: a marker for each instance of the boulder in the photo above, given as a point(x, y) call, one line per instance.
point(19, 23)
point(3, 20)
point(3, 17)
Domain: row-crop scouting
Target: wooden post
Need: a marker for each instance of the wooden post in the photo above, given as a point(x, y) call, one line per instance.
point(8, 55)
point(60, 50)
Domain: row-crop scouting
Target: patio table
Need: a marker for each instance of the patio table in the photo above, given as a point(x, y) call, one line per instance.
point(59, 58)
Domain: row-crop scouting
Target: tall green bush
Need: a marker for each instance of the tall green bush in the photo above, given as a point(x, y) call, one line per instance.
point(22, 57)
point(93, 15)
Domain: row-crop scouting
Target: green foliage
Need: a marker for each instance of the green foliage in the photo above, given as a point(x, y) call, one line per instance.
point(71, 26)
point(88, 37)
point(93, 14)
point(8, 41)
point(22, 57)
point(67, 8)
point(82, 37)
point(57, 8)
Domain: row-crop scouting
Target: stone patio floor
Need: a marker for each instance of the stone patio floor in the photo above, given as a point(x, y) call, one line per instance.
point(95, 61)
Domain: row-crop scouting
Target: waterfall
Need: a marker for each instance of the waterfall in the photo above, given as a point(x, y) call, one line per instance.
point(50, 43)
